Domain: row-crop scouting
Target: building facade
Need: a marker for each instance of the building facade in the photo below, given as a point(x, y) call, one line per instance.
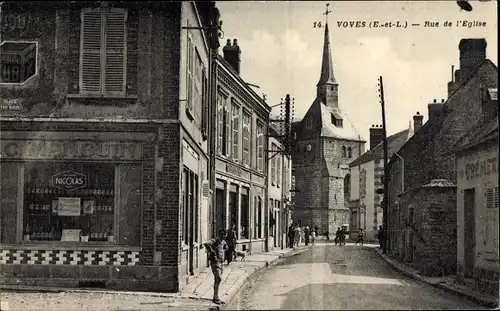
point(103, 143)
point(477, 203)
point(367, 173)
point(325, 142)
point(427, 161)
point(241, 160)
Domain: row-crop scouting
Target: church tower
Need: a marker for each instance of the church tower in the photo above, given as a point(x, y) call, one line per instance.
point(327, 88)
point(325, 143)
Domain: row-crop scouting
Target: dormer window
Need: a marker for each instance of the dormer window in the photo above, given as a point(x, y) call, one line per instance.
point(336, 120)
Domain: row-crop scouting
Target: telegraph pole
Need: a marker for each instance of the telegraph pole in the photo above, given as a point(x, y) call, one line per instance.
point(385, 202)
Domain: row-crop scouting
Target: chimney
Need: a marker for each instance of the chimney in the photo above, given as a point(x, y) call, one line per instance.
point(472, 53)
point(232, 54)
point(434, 108)
point(376, 135)
point(418, 121)
point(455, 80)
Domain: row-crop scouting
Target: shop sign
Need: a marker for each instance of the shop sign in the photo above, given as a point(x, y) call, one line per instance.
point(54, 149)
point(11, 104)
point(69, 181)
point(69, 207)
point(479, 168)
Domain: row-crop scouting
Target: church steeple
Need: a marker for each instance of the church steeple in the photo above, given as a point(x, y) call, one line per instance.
point(327, 87)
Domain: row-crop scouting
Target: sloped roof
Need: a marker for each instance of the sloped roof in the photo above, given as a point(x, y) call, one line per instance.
point(394, 143)
point(430, 128)
point(347, 131)
point(481, 133)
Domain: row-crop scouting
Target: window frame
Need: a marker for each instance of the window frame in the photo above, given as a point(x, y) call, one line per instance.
point(235, 130)
point(260, 146)
point(37, 62)
point(102, 48)
point(246, 123)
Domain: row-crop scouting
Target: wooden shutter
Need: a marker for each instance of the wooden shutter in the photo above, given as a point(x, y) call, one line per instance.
point(115, 59)
point(204, 102)
point(90, 62)
point(236, 131)
point(228, 127)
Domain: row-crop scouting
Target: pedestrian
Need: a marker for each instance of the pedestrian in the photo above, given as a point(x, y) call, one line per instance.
point(231, 244)
point(361, 235)
point(343, 234)
point(297, 235)
point(313, 235)
point(216, 248)
point(291, 235)
point(307, 233)
point(381, 236)
point(337, 236)
point(327, 235)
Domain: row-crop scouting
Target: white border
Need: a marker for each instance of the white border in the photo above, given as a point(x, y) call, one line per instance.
point(37, 65)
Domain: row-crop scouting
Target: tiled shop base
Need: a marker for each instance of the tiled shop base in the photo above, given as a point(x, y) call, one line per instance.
point(69, 257)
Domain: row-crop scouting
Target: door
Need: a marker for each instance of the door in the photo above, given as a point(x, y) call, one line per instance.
point(220, 210)
point(469, 231)
point(194, 223)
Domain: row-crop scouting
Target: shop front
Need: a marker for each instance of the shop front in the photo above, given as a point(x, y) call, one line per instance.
point(71, 208)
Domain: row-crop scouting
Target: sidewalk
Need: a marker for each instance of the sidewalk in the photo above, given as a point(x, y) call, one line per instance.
point(447, 283)
point(197, 295)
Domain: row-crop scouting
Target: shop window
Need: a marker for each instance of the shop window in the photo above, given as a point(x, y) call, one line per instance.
point(69, 202)
point(258, 218)
point(244, 215)
point(233, 208)
point(19, 61)
point(103, 55)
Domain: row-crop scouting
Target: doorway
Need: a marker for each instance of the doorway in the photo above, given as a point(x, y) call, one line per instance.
point(469, 231)
point(220, 210)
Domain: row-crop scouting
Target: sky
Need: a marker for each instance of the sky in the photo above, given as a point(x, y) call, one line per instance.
point(281, 52)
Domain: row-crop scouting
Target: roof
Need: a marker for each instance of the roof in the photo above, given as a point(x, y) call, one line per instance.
point(326, 62)
point(394, 143)
point(347, 131)
point(479, 134)
point(430, 128)
point(439, 183)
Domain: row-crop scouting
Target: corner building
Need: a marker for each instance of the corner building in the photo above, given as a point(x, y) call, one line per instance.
point(103, 143)
point(241, 158)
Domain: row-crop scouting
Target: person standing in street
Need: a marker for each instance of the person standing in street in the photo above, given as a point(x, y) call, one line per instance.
point(216, 249)
point(313, 235)
point(337, 236)
point(291, 235)
point(297, 235)
point(381, 236)
point(306, 235)
point(231, 244)
point(361, 235)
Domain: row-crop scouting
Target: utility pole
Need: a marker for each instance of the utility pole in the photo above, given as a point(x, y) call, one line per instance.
point(385, 204)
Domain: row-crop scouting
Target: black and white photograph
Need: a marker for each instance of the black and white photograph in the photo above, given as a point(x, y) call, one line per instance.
point(249, 155)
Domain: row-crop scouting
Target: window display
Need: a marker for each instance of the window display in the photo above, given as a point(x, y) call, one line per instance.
point(69, 202)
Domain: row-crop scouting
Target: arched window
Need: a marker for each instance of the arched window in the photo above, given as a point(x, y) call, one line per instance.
point(349, 152)
point(347, 187)
point(344, 152)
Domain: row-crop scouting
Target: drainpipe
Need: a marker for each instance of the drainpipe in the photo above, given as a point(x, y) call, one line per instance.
point(402, 172)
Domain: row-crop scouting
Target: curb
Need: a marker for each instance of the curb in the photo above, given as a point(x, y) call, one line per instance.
point(479, 300)
point(255, 274)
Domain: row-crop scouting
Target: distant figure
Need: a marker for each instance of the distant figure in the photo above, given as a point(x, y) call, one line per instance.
point(313, 235)
point(307, 233)
point(297, 235)
point(337, 236)
point(231, 244)
point(361, 235)
point(216, 248)
point(291, 235)
point(327, 235)
point(381, 236)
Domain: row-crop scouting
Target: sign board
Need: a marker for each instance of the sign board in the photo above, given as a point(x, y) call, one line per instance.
point(11, 104)
point(69, 207)
point(70, 235)
point(69, 180)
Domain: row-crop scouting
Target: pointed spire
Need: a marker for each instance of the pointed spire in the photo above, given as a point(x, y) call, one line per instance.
point(326, 63)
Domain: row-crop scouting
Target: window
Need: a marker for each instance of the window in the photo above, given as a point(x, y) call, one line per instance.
point(233, 207)
point(103, 51)
point(273, 166)
point(246, 138)
point(492, 197)
point(278, 170)
point(190, 190)
point(260, 147)
point(258, 218)
point(344, 152)
point(19, 61)
point(227, 130)
point(220, 123)
point(244, 214)
point(236, 131)
point(64, 201)
point(190, 75)
point(349, 152)
point(195, 101)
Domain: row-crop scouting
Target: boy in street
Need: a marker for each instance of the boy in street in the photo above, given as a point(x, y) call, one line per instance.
point(216, 249)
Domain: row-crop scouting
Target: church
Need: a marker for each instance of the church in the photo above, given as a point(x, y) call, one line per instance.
point(325, 143)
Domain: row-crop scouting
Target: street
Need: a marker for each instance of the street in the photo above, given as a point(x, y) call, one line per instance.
point(344, 278)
